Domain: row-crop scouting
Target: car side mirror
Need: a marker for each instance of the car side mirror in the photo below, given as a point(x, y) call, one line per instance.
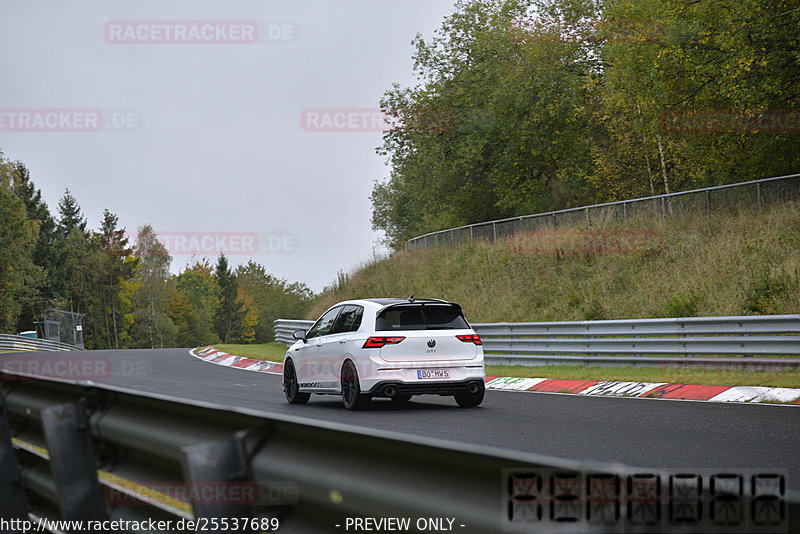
point(300, 335)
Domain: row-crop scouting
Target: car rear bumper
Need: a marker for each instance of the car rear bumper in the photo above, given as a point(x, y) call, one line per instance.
point(405, 375)
point(425, 388)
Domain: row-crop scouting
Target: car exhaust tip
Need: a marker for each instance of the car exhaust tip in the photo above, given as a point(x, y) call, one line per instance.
point(390, 391)
point(473, 388)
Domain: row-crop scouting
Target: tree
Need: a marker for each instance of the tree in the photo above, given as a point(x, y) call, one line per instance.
point(118, 266)
point(519, 137)
point(195, 304)
point(70, 215)
point(184, 317)
point(151, 302)
point(18, 235)
point(560, 103)
point(231, 312)
point(272, 298)
point(74, 276)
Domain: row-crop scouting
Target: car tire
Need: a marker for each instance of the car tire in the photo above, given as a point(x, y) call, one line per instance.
point(465, 399)
point(290, 386)
point(352, 397)
point(402, 399)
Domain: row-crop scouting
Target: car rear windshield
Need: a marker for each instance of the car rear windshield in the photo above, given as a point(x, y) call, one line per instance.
point(421, 317)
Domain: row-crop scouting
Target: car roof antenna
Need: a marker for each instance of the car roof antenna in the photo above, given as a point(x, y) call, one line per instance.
point(411, 298)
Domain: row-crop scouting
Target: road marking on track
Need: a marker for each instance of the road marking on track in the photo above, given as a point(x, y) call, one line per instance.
point(211, 355)
point(647, 390)
point(642, 390)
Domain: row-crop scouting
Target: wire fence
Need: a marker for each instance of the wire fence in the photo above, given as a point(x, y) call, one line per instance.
point(753, 194)
point(63, 326)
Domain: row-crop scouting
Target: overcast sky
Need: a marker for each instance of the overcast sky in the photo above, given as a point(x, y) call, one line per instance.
point(229, 138)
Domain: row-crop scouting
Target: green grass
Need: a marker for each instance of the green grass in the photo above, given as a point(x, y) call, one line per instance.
point(708, 377)
point(739, 262)
point(268, 351)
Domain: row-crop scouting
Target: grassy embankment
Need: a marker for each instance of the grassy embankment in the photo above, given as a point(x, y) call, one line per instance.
point(267, 351)
point(738, 263)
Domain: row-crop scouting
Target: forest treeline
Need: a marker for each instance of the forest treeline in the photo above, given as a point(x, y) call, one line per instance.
point(524, 106)
point(125, 288)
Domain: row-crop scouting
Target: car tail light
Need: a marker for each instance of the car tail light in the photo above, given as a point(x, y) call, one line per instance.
point(378, 342)
point(471, 339)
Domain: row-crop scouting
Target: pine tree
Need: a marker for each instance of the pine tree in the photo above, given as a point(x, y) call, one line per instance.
point(229, 319)
point(74, 275)
point(119, 265)
point(18, 237)
point(43, 253)
point(70, 216)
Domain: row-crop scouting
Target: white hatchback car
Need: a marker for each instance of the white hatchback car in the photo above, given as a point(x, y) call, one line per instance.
point(393, 348)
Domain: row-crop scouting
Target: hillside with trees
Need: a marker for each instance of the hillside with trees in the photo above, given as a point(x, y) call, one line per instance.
point(741, 261)
point(524, 106)
point(126, 289)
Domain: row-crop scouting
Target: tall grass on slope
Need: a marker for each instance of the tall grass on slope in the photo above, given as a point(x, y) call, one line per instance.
point(738, 263)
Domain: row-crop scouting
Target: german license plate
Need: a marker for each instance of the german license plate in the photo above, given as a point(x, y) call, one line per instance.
point(440, 374)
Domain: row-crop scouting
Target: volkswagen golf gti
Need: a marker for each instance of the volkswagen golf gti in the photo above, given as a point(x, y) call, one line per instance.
point(391, 347)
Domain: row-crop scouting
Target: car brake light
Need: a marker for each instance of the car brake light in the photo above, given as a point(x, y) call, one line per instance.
point(378, 342)
point(470, 339)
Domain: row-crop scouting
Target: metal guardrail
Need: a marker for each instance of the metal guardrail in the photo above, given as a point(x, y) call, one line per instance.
point(758, 193)
point(285, 327)
point(14, 343)
point(672, 342)
point(315, 476)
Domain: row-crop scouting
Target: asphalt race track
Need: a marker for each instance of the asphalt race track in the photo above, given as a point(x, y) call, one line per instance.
point(647, 433)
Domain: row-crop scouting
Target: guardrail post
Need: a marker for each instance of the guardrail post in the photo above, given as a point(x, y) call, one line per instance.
point(625, 210)
point(12, 500)
point(758, 193)
point(72, 462)
point(708, 201)
point(220, 465)
point(470, 234)
point(494, 233)
point(453, 237)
